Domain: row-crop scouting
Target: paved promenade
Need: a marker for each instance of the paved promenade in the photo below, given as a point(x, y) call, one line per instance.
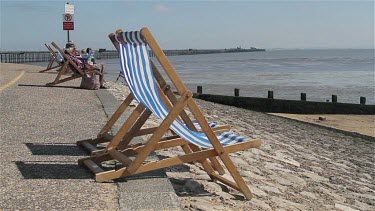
point(38, 155)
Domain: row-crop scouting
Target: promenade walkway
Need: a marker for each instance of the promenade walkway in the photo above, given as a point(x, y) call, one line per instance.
point(38, 156)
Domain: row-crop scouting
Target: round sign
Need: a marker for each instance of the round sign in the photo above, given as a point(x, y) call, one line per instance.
point(68, 17)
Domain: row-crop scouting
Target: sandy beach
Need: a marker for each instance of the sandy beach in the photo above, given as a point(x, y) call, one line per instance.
point(359, 124)
point(298, 167)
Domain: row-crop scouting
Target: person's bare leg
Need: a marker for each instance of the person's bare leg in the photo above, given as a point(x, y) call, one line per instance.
point(101, 76)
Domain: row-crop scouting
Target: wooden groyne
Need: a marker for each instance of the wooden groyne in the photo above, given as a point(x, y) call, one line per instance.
point(302, 106)
point(44, 56)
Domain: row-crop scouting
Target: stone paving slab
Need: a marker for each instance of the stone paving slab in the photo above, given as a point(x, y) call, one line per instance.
point(152, 187)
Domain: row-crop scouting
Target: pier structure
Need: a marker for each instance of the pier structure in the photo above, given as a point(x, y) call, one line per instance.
point(44, 56)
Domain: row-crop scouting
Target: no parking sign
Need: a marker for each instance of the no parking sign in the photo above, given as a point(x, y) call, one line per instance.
point(68, 21)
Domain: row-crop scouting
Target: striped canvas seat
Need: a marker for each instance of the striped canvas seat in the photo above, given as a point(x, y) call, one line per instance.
point(136, 67)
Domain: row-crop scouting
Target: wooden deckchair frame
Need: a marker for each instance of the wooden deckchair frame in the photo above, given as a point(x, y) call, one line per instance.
point(103, 136)
point(120, 150)
point(54, 58)
point(169, 99)
point(64, 68)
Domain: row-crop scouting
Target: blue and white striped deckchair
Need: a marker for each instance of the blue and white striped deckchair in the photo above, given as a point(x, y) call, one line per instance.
point(136, 67)
point(145, 87)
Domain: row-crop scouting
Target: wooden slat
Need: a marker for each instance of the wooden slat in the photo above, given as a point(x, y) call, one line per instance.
point(134, 129)
point(52, 60)
point(164, 126)
point(111, 36)
point(88, 146)
point(61, 71)
point(227, 182)
point(93, 166)
point(120, 157)
point(146, 131)
point(109, 175)
point(219, 149)
point(163, 60)
point(120, 110)
point(195, 156)
point(126, 126)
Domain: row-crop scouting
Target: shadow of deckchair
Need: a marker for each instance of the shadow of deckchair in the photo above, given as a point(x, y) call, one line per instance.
point(148, 87)
point(54, 149)
point(53, 59)
point(34, 85)
point(49, 170)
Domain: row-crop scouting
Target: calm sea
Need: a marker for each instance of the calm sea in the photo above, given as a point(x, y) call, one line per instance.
point(320, 74)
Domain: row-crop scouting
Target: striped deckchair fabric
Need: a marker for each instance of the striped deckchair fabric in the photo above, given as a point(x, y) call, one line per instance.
point(201, 141)
point(136, 67)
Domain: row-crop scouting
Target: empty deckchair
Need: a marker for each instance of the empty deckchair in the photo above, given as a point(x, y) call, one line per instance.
point(53, 59)
point(145, 88)
point(104, 136)
point(67, 65)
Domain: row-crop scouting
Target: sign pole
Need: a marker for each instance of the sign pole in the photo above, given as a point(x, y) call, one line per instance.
point(68, 36)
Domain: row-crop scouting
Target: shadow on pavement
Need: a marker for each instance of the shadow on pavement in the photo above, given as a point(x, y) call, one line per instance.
point(49, 170)
point(35, 85)
point(55, 149)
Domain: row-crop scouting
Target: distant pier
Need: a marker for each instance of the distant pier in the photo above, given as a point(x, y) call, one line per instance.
point(44, 56)
point(208, 51)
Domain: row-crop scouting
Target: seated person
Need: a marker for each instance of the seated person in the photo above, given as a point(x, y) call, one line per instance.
point(83, 56)
point(90, 54)
point(71, 52)
point(83, 64)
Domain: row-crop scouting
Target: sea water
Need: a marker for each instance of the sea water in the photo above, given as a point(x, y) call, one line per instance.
point(349, 74)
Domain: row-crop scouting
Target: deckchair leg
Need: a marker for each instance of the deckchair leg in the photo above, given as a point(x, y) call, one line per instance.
point(126, 127)
point(167, 93)
point(164, 126)
point(103, 136)
point(63, 80)
point(190, 148)
point(220, 150)
point(205, 164)
point(116, 115)
point(137, 125)
point(49, 66)
point(61, 71)
point(90, 144)
point(204, 154)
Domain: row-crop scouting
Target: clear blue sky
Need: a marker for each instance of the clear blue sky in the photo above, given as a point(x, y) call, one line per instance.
point(27, 25)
